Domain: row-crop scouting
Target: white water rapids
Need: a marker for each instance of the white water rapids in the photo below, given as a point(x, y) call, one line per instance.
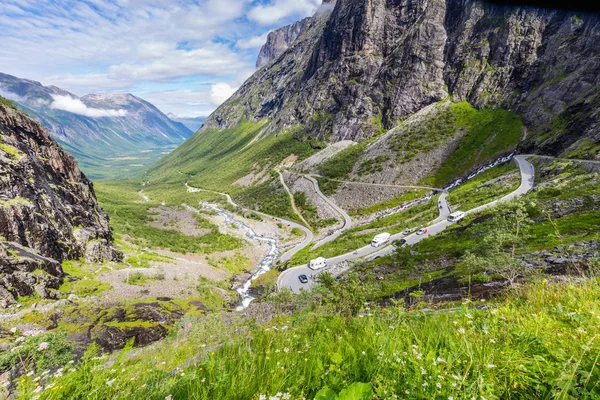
point(264, 266)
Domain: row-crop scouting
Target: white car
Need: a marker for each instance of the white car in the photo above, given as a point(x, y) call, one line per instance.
point(317, 263)
point(422, 231)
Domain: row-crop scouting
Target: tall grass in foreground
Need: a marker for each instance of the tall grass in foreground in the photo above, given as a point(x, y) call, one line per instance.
point(540, 343)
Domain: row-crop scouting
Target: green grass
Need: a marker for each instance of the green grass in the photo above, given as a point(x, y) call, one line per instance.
point(215, 159)
point(480, 190)
point(487, 134)
point(7, 103)
point(391, 203)
point(85, 287)
point(539, 343)
point(140, 279)
point(270, 198)
point(309, 211)
point(490, 133)
point(235, 264)
point(11, 151)
point(130, 215)
point(341, 164)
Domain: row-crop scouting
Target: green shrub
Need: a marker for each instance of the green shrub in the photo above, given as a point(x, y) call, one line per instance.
point(38, 352)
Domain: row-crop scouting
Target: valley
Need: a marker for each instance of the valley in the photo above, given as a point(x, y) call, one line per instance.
point(402, 201)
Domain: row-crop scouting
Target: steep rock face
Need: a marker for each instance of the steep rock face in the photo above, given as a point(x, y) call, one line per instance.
point(370, 63)
point(48, 209)
point(279, 41)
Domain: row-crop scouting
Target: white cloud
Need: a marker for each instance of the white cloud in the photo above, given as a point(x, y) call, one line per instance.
point(187, 102)
point(253, 42)
point(277, 10)
point(221, 92)
point(76, 106)
point(212, 60)
point(142, 46)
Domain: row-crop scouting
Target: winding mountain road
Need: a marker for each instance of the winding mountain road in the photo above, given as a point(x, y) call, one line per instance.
point(381, 184)
point(292, 201)
point(347, 220)
point(594, 162)
point(289, 278)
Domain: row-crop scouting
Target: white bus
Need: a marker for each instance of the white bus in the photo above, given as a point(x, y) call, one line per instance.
point(317, 263)
point(380, 239)
point(456, 216)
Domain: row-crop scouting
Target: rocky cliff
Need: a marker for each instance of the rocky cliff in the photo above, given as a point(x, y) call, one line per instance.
point(48, 210)
point(279, 41)
point(369, 64)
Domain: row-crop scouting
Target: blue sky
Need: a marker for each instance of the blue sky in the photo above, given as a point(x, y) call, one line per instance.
point(184, 56)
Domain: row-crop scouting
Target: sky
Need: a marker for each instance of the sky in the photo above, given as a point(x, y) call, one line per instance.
point(186, 57)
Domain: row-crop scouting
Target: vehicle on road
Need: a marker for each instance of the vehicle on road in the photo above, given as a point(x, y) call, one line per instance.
point(303, 278)
point(317, 263)
point(399, 242)
point(407, 231)
point(422, 231)
point(380, 239)
point(456, 216)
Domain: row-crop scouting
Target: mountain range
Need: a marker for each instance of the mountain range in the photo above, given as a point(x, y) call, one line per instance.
point(111, 135)
point(405, 81)
point(192, 123)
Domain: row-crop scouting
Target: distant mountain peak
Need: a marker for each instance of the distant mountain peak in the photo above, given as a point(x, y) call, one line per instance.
point(96, 128)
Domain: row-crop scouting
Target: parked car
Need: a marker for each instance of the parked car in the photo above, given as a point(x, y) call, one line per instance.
point(422, 231)
point(303, 278)
point(407, 231)
point(399, 242)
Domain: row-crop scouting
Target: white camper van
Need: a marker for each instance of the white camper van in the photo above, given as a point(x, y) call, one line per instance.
point(456, 216)
point(380, 239)
point(317, 263)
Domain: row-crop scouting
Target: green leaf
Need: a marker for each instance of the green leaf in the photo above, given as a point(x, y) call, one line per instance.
point(337, 358)
point(325, 394)
point(356, 391)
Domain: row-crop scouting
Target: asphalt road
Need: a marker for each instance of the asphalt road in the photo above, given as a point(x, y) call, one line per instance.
point(289, 278)
point(347, 220)
point(292, 201)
